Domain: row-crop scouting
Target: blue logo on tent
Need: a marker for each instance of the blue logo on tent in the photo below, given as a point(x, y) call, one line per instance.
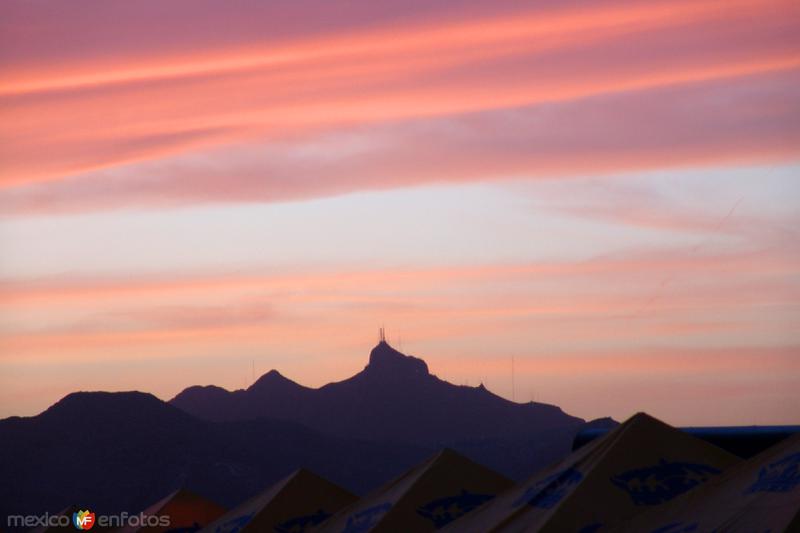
point(591, 528)
point(657, 484)
point(234, 525)
point(549, 491)
point(364, 520)
point(676, 527)
point(444, 510)
point(780, 476)
point(302, 523)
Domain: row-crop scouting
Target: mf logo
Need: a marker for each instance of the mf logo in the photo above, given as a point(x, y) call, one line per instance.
point(83, 520)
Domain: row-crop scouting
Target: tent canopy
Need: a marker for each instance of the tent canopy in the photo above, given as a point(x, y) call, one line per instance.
point(761, 494)
point(425, 498)
point(641, 464)
point(186, 511)
point(295, 504)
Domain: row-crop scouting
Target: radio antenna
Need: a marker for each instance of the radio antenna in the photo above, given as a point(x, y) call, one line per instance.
point(513, 384)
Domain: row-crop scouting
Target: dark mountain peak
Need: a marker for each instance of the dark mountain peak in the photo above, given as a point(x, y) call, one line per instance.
point(101, 407)
point(602, 423)
point(273, 376)
point(273, 380)
point(201, 391)
point(385, 359)
point(78, 401)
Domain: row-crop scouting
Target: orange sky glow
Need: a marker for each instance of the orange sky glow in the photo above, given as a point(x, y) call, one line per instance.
point(605, 192)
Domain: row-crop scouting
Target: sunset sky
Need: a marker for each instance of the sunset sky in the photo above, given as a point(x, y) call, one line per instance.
point(606, 192)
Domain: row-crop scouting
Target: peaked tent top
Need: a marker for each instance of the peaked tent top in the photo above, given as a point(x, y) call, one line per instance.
point(640, 464)
point(294, 504)
point(184, 508)
point(761, 494)
point(425, 498)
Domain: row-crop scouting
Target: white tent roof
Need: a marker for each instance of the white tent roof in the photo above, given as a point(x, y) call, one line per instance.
point(425, 498)
point(761, 494)
point(641, 464)
point(295, 504)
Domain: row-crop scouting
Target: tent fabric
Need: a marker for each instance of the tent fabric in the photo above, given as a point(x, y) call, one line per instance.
point(425, 498)
point(761, 494)
point(295, 504)
point(641, 464)
point(187, 511)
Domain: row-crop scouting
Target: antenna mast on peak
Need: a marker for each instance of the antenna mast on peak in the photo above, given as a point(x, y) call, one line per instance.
point(383, 334)
point(513, 384)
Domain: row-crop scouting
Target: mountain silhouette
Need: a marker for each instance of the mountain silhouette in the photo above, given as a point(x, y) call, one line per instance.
point(114, 452)
point(396, 399)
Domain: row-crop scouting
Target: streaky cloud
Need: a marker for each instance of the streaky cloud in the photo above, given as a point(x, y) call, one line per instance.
point(376, 77)
point(740, 120)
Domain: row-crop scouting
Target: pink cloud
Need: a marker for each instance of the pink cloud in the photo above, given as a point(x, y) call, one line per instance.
point(738, 120)
point(628, 265)
point(156, 107)
point(711, 296)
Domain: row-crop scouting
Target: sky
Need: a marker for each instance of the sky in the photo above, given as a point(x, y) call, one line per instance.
point(602, 196)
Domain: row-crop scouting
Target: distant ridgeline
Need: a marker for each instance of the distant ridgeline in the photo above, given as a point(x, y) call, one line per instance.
point(115, 451)
point(395, 399)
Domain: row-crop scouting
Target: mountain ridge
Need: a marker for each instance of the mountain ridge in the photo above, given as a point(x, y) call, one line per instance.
point(121, 451)
point(118, 451)
point(396, 399)
point(391, 379)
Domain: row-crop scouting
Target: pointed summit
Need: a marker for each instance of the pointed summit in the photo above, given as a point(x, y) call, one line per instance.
point(384, 358)
point(273, 381)
point(271, 376)
point(396, 399)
